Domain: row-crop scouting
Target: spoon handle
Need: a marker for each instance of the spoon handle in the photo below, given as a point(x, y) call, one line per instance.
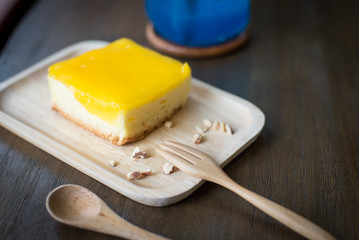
point(287, 217)
point(109, 222)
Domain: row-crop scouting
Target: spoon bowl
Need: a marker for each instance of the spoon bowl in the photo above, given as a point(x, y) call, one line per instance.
point(79, 207)
point(72, 203)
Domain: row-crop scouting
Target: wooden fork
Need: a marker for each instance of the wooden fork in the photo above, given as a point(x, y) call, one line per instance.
point(200, 165)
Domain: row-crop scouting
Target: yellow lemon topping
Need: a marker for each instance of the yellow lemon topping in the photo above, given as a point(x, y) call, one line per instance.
point(119, 77)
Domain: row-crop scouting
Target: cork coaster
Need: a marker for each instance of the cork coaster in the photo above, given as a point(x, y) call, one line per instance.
point(177, 50)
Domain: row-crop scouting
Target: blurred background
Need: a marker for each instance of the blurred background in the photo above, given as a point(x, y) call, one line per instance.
point(300, 66)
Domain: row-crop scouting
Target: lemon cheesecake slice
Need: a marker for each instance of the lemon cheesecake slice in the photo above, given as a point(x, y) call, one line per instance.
point(119, 92)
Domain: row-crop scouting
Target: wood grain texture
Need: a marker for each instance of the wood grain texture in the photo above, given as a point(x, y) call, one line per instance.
point(198, 164)
point(300, 67)
point(79, 207)
point(25, 109)
point(11, 11)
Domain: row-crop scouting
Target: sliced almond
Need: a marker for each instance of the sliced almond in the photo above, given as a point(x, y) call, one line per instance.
point(146, 173)
point(197, 138)
point(216, 125)
point(168, 168)
point(202, 129)
point(134, 175)
point(207, 123)
point(136, 150)
point(222, 127)
point(228, 130)
point(138, 154)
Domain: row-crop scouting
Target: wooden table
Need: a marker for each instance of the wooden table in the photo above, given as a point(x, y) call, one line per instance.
point(301, 67)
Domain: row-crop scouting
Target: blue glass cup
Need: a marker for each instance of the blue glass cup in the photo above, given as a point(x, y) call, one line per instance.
point(199, 23)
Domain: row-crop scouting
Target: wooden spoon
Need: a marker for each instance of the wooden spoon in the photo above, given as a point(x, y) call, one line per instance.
point(79, 207)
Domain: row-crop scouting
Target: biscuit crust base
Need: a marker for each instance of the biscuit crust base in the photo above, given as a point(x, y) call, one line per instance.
point(113, 139)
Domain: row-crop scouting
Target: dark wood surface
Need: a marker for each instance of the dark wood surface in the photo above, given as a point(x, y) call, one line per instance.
point(11, 12)
point(301, 67)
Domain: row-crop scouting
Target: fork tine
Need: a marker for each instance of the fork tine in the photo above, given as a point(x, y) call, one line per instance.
point(174, 159)
point(179, 152)
point(188, 149)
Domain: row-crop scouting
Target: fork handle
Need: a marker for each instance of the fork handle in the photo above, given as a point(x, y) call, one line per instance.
point(287, 217)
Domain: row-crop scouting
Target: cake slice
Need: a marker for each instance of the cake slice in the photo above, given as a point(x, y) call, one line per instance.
point(119, 92)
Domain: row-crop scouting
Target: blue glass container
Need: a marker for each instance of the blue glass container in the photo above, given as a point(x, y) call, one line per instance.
point(199, 23)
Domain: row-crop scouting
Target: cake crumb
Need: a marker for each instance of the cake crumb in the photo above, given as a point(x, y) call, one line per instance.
point(138, 154)
point(112, 163)
point(169, 124)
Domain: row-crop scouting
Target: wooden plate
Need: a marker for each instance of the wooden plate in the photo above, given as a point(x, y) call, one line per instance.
point(25, 109)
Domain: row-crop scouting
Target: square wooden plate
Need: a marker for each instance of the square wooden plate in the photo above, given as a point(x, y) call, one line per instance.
point(25, 109)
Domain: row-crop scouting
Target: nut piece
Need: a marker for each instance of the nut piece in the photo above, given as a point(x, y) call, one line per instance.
point(197, 138)
point(207, 123)
point(216, 125)
point(222, 127)
point(228, 130)
point(202, 129)
point(168, 124)
point(138, 154)
point(147, 173)
point(112, 163)
point(168, 168)
point(134, 175)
